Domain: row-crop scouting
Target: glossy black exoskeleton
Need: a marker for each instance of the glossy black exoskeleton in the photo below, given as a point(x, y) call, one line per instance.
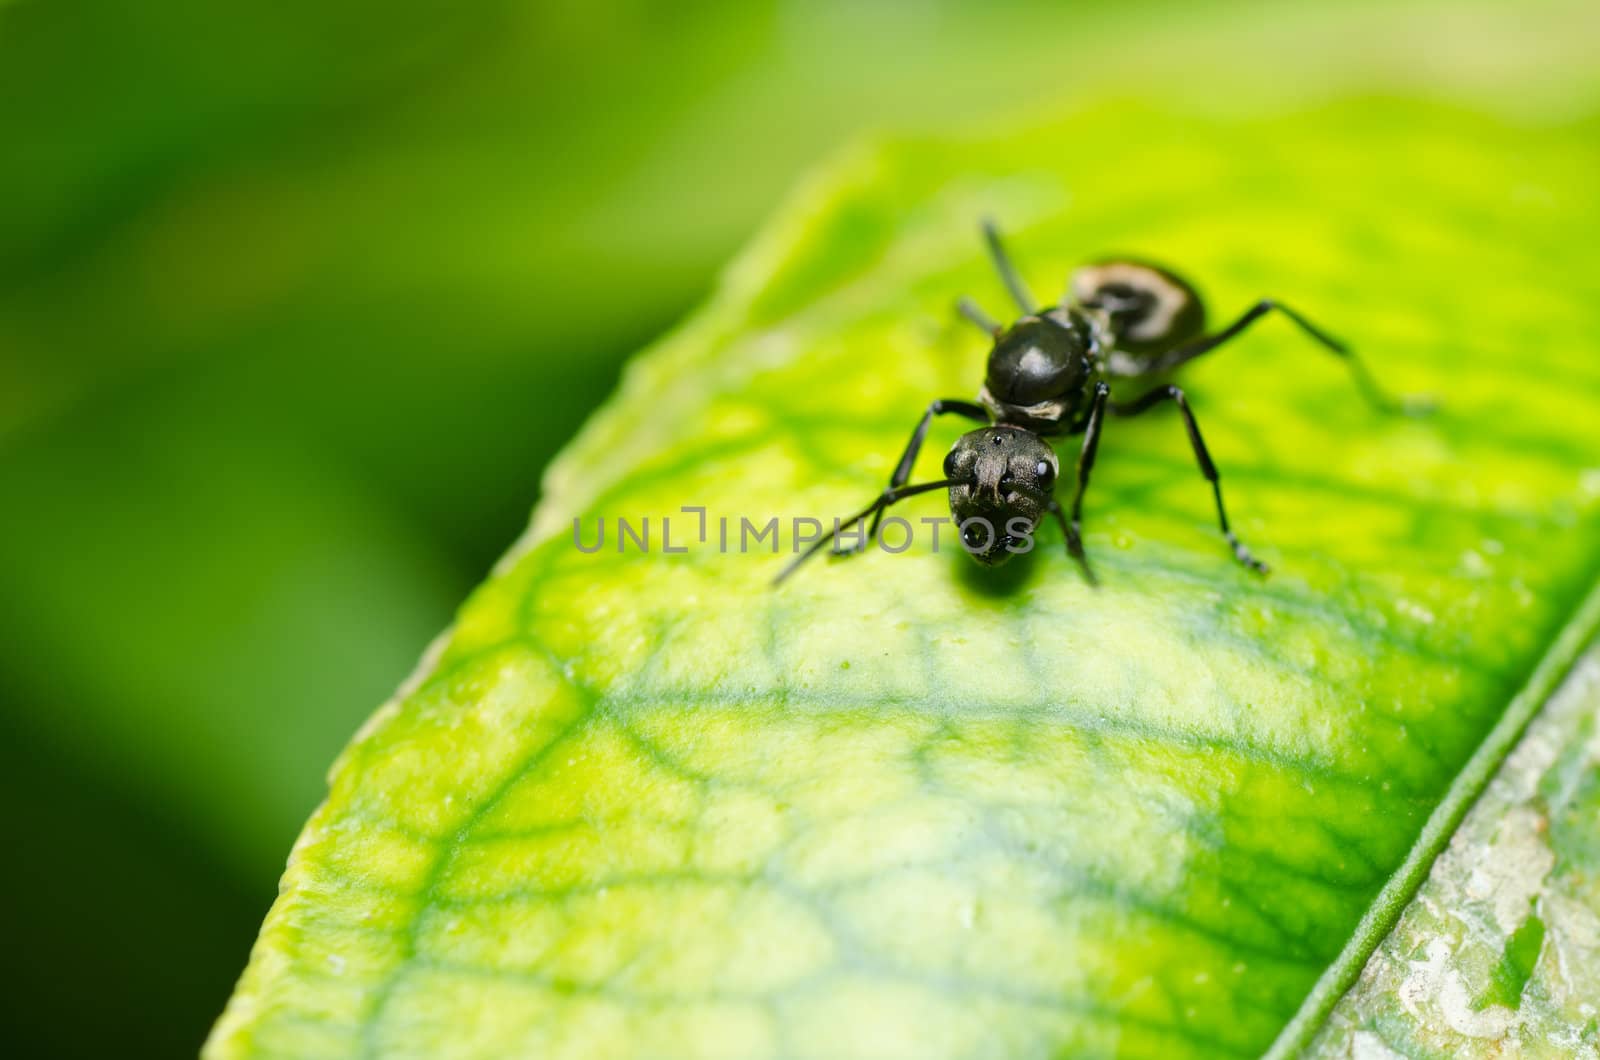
point(1049, 374)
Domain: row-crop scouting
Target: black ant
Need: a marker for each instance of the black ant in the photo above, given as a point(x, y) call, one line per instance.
point(1047, 373)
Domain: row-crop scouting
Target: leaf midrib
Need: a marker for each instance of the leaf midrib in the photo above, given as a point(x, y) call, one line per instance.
point(1578, 634)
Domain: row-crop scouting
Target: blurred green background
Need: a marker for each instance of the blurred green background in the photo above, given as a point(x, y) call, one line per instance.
point(297, 299)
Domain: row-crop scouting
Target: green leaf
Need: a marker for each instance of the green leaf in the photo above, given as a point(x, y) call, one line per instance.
point(1500, 950)
point(645, 804)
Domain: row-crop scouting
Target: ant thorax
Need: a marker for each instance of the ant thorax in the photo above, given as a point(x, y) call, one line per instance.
point(1042, 369)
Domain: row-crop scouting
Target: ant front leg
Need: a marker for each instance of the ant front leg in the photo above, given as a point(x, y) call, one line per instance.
point(1202, 457)
point(1091, 445)
point(902, 471)
point(1374, 393)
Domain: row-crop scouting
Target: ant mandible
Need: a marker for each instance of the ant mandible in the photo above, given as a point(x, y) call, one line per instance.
point(1047, 376)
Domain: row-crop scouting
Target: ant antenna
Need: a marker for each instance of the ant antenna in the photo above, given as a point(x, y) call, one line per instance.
point(1002, 264)
point(886, 498)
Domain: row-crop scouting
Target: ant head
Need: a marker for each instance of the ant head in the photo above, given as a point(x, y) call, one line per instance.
point(1041, 357)
point(1002, 478)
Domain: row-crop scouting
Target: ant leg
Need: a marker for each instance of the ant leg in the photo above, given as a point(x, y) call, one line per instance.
point(1074, 545)
point(1008, 273)
point(1202, 457)
point(886, 498)
point(902, 471)
point(1091, 446)
point(974, 312)
point(1369, 387)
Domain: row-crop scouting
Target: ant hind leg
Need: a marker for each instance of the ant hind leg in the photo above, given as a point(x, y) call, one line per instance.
point(974, 312)
point(1008, 272)
point(1371, 390)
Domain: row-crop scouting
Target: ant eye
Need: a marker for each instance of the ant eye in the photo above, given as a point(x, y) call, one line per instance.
point(950, 463)
point(1045, 474)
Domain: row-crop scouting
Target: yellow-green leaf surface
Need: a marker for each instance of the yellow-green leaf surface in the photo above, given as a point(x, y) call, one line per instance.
point(643, 804)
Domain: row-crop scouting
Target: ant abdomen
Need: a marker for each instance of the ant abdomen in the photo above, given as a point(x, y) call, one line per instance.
point(1149, 310)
